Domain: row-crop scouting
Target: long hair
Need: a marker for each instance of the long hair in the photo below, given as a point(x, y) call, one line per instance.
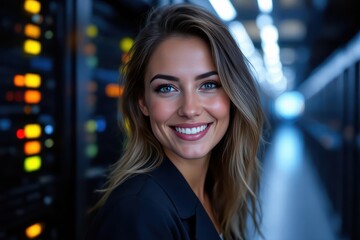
point(233, 176)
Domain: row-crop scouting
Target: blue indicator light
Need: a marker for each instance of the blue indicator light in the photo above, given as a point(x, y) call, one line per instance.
point(100, 125)
point(49, 129)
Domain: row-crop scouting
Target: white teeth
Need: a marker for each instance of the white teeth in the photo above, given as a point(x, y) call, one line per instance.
point(193, 130)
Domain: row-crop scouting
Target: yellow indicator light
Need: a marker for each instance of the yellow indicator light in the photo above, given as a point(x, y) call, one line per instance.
point(92, 31)
point(32, 130)
point(126, 44)
point(32, 96)
point(32, 164)
point(114, 90)
point(32, 80)
point(31, 148)
point(32, 31)
point(19, 80)
point(32, 47)
point(34, 230)
point(32, 6)
point(91, 126)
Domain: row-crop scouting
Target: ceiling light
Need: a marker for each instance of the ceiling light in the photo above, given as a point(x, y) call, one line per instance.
point(224, 9)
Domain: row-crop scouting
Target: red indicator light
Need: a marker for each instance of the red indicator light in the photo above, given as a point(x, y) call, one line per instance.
point(20, 134)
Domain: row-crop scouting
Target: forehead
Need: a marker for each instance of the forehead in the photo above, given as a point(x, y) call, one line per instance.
point(179, 55)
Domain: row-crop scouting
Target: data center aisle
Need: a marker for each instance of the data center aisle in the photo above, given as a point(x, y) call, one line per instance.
point(294, 203)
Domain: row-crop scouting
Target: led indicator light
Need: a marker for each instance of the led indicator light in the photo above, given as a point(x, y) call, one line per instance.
point(31, 148)
point(32, 31)
point(91, 150)
point(32, 47)
point(49, 129)
point(32, 80)
point(91, 126)
point(114, 90)
point(19, 80)
point(32, 6)
point(32, 163)
point(126, 44)
point(49, 143)
point(32, 131)
point(32, 96)
point(92, 31)
point(20, 134)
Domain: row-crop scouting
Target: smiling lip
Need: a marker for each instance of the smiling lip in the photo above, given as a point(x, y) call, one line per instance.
point(191, 132)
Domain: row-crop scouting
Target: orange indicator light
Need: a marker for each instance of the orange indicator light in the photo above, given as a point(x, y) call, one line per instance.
point(19, 80)
point(32, 31)
point(32, 47)
point(32, 147)
point(32, 130)
point(32, 6)
point(34, 230)
point(32, 80)
point(32, 164)
point(32, 96)
point(114, 90)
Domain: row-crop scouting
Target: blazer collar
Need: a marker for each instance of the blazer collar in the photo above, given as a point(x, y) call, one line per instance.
point(184, 199)
point(178, 190)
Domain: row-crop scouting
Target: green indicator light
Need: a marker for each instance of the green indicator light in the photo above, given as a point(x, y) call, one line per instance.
point(32, 164)
point(49, 143)
point(91, 150)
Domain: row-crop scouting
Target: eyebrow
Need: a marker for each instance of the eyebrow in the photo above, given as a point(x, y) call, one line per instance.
point(172, 78)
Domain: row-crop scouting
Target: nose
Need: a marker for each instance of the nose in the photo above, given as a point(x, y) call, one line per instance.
point(190, 106)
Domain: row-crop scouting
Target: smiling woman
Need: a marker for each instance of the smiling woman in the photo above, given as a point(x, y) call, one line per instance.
point(189, 169)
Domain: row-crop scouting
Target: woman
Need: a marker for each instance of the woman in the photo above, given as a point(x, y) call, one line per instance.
point(193, 116)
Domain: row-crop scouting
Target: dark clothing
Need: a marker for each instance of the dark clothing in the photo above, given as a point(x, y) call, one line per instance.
point(159, 205)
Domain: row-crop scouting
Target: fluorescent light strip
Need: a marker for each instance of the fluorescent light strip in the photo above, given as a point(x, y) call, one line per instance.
point(224, 9)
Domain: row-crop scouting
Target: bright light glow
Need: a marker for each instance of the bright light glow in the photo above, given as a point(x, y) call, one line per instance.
point(224, 9)
point(34, 230)
point(32, 80)
point(126, 44)
point(19, 80)
point(289, 105)
point(32, 96)
point(242, 38)
point(32, 31)
point(32, 6)
point(32, 164)
point(32, 147)
point(269, 34)
point(32, 130)
point(114, 90)
point(32, 47)
point(263, 20)
point(265, 6)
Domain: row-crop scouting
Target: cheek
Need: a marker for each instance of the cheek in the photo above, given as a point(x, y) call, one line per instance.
point(160, 110)
point(220, 107)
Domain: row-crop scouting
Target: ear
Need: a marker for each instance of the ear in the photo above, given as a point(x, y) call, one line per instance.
point(144, 109)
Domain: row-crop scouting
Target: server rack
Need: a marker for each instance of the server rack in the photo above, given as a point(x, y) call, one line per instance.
point(331, 120)
point(34, 198)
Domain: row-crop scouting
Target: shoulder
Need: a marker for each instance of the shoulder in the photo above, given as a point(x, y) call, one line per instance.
point(138, 209)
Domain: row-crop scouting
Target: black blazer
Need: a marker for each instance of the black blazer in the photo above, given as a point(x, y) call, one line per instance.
point(159, 205)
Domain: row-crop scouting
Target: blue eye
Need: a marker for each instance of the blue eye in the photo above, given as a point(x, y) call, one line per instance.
point(165, 88)
point(210, 85)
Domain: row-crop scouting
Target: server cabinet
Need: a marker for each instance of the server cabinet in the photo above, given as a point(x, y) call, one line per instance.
point(34, 172)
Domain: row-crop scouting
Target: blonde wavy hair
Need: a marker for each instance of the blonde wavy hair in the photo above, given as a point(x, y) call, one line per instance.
point(233, 175)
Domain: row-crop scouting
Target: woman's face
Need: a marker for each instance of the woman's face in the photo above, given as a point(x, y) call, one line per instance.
point(189, 110)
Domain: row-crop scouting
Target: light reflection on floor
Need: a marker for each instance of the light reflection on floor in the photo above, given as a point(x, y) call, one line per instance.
point(294, 204)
